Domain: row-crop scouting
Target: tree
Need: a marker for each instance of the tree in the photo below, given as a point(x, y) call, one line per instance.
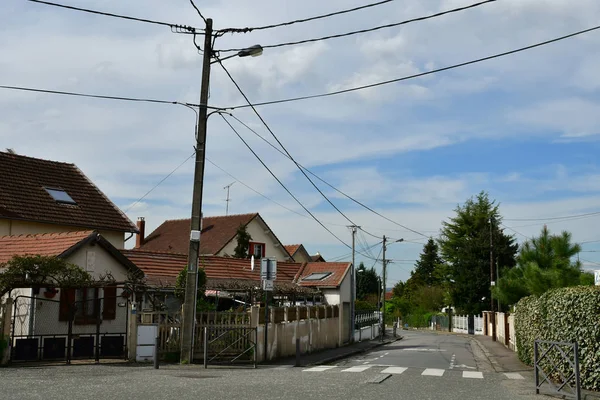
point(426, 272)
point(367, 282)
point(180, 283)
point(465, 245)
point(243, 242)
point(544, 262)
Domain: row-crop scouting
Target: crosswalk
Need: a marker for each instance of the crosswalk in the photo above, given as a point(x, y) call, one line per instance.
point(430, 372)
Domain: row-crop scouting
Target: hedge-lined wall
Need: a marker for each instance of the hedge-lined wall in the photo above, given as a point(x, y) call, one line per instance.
point(563, 315)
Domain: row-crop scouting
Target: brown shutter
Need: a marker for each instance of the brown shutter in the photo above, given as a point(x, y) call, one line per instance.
point(67, 298)
point(109, 303)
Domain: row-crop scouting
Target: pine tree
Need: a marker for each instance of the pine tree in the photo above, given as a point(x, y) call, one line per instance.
point(426, 268)
point(367, 282)
point(243, 242)
point(465, 245)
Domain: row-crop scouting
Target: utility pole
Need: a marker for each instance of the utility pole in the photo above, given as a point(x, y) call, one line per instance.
point(383, 289)
point(353, 285)
point(191, 284)
point(492, 314)
point(227, 200)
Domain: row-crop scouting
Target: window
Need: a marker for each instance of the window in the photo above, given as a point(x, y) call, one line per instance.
point(316, 276)
point(86, 306)
point(257, 250)
point(60, 196)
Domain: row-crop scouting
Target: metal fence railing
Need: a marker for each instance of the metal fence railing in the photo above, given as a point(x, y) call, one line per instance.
point(554, 360)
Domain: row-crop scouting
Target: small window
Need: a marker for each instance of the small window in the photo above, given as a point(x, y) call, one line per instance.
point(316, 276)
point(60, 196)
point(258, 250)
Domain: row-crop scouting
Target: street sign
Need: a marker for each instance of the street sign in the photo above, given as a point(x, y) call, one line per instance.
point(597, 277)
point(268, 268)
point(267, 285)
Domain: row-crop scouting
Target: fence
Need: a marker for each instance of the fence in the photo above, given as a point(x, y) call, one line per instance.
point(460, 324)
point(550, 359)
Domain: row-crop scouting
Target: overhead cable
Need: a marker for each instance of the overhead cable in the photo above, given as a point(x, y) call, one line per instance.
point(297, 21)
point(177, 28)
point(553, 218)
point(330, 185)
point(434, 71)
point(271, 46)
point(197, 10)
point(287, 152)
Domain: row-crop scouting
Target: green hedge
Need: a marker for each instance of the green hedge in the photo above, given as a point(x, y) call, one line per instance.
point(563, 315)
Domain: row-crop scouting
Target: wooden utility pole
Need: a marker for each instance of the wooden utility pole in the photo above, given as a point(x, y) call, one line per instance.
point(492, 314)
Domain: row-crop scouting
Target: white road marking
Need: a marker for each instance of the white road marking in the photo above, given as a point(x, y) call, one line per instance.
point(513, 375)
point(320, 368)
point(366, 362)
point(394, 370)
point(473, 374)
point(452, 361)
point(433, 372)
point(423, 349)
point(464, 366)
point(386, 353)
point(357, 369)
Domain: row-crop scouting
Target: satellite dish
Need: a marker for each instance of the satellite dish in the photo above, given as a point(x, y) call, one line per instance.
point(252, 263)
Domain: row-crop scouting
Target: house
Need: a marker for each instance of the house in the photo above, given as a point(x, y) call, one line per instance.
point(331, 278)
point(41, 196)
point(97, 315)
point(298, 253)
point(317, 258)
point(218, 237)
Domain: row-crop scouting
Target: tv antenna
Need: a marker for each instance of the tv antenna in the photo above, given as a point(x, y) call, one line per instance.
point(227, 200)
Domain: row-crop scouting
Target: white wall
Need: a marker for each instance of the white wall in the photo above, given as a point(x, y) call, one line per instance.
point(257, 232)
point(10, 227)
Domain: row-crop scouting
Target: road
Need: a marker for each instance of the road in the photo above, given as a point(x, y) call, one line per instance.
point(421, 366)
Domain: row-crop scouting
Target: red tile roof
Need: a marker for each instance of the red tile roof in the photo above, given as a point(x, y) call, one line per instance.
point(174, 235)
point(47, 244)
point(389, 295)
point(164, 267)
point(338, 271)
point(23, 197)
point(317, 258)
point(292, 248)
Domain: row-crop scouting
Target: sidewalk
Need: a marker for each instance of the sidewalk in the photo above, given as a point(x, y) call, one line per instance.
point(331, 355)
point(502, 358)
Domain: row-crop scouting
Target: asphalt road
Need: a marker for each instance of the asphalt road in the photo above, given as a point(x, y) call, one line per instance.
point(396, 371)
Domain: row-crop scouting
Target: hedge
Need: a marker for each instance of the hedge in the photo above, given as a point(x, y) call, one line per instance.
point(563, 315)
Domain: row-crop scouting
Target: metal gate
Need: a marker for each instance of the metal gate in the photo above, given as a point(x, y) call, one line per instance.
point(229, 345)
point(89, 328)
point(557, 366)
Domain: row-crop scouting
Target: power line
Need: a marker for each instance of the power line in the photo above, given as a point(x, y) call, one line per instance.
point(281, 183)
point(198, 10)
point(159, 183)
point(174, 27)
point(328, 184)
point(517, 232)
point(554, 218)
point(405, 78)
point(286, 151)
point(271, 46)
point(247, 30)
point(97, 96)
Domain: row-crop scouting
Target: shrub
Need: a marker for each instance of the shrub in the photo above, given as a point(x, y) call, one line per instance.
point(563, 315)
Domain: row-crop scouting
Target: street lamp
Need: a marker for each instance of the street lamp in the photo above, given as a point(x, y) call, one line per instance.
point(252, 51)
point(189, 304)
point(384, 291)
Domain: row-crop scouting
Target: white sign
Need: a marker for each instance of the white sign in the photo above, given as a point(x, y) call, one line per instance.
point(597, 277)
point(268, 268)
point(267, 285)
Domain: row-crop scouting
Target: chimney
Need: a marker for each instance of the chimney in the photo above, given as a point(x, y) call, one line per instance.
point(141, 225)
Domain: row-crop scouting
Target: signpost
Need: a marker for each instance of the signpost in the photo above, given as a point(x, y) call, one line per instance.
point(268, 273)
point(597, 277)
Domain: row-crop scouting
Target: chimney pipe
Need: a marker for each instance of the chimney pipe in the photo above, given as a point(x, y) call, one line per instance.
point(140, 238)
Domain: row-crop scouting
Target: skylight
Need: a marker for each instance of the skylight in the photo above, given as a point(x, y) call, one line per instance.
point(316, 276)
point(60, 196)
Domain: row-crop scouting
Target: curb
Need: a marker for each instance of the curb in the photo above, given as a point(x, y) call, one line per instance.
point(351, 353)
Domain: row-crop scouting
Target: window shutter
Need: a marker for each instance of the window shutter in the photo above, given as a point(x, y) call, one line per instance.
point(67, 298)
point(109, 303)
point(264, 250)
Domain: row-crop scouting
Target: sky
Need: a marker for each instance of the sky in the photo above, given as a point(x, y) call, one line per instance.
point(525, 127)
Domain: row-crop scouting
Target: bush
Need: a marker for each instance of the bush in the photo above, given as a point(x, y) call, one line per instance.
point(563, 315)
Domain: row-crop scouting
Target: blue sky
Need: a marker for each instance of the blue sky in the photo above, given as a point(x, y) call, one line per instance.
point(523, 127)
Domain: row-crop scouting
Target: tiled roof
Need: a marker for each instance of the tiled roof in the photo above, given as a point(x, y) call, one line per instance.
point(338, 271)
point(292, 248)
point(47, 244)
point(389, 295)
point(317, 258)
point(164, 267)
point(174, 235)
point(23, 197)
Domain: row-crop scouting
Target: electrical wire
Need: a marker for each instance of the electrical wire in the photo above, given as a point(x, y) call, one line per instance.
point(340, 35)
point(97, 96)
point(286, 151)
point(256, 28)
point(517, 232)
point(330, 185)
point(159, 183)
point(421, 74)
point(188, 29)
point(198, 10)
point(281, 183)
point(554, 218)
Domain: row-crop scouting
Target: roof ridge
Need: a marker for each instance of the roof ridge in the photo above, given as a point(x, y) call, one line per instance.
point(50, 234)
point(34, 158)
point(213, 216)
point(153, 252)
